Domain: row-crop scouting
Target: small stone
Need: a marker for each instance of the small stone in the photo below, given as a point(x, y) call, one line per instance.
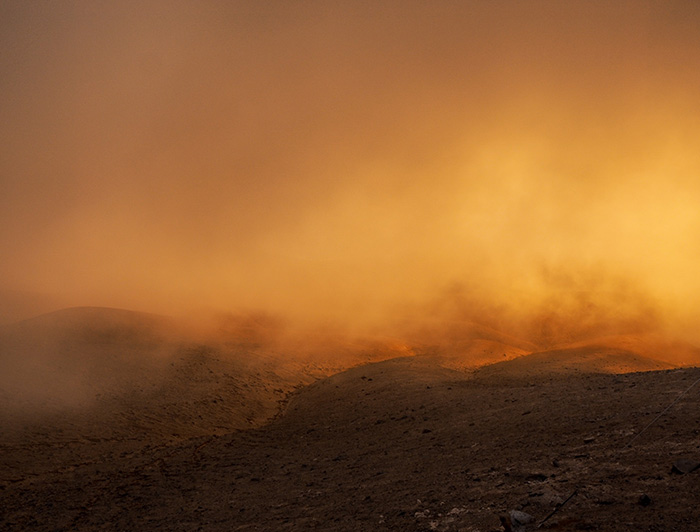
point(685, 465)
point(515, 521)
point(519, 518)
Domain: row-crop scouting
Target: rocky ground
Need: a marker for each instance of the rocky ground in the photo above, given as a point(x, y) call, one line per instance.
point(403, 444)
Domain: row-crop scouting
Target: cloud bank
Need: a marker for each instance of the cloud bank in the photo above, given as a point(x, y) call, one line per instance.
point(355, 163)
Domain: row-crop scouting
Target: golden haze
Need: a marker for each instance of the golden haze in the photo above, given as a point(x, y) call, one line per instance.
point(517, 163)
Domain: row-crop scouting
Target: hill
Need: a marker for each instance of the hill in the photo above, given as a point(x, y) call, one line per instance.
point(128, 420)
point(401, 445)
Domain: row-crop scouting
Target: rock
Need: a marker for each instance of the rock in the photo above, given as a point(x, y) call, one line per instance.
point(518, 518)
point(685, 465)
point(515, 521)
point(505, 523)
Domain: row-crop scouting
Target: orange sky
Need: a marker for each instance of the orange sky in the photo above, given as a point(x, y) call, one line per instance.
point(339, 161)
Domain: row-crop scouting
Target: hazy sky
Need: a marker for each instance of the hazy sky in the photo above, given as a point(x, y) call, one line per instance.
point(335, 158)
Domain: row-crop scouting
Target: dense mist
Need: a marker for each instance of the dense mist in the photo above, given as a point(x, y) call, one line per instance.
point(531, 166)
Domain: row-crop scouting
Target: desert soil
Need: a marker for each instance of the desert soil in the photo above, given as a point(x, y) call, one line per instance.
point(403, 444)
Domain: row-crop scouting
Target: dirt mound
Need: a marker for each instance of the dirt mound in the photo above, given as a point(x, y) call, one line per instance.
point(649, 345)
point(589, 359)
point(607, 354)
point(466, 345)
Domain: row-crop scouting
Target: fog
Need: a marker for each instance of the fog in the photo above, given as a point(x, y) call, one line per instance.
point(529, 165)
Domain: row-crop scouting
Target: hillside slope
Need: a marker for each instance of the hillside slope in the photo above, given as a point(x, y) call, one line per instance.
point(403, 445)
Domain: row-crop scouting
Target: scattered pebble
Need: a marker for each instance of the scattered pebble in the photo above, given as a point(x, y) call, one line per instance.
point(683, 466)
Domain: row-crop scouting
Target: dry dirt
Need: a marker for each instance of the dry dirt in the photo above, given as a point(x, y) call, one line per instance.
point(402, 444)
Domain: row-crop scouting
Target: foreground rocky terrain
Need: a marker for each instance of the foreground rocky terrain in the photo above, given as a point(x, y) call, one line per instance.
point(400, 444)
